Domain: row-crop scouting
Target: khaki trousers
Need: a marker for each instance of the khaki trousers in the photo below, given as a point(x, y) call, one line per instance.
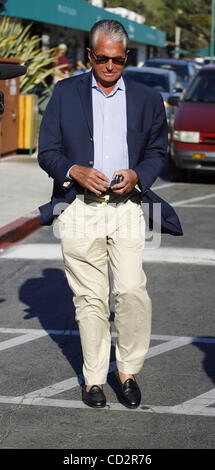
point(93, 233)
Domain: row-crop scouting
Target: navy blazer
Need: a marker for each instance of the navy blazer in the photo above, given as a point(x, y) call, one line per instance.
point(66, 136)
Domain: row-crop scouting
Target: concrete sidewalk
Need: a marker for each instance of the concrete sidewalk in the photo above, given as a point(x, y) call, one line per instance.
point(24, 186)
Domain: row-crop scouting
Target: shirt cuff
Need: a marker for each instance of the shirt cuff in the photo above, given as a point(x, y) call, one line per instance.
point(68, 177)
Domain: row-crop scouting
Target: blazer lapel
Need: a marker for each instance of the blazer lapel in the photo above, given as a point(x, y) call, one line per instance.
point(130, 103)
point(131, 118)
point(85, 92)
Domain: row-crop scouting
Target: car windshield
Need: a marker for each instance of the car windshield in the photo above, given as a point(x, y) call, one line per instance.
point(202, 89)
point(181, 71)
point(155, 80)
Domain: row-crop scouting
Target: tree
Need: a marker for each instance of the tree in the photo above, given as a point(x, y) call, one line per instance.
point(192, 16)
point(142, 7)
point(133, 5)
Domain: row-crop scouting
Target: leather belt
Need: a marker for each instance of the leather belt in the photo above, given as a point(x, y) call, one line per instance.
point(109, 196)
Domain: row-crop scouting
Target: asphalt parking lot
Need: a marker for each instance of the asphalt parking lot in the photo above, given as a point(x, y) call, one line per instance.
point(40, 353)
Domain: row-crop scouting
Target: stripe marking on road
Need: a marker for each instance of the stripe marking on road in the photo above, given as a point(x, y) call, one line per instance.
point(181, 409)
point(199, 256)
point(48, 251)
point(193, 199)
point(162, 186)
point(198, 406)
point(18, 340)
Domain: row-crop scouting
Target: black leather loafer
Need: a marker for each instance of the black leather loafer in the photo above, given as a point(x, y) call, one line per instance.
point(94, 398)
point(130, 392)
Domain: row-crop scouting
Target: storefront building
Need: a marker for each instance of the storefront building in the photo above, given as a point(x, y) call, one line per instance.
point(69, 21)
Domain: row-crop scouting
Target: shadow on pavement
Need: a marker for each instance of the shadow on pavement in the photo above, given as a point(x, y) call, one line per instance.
point(208, 361)
point(50, 299)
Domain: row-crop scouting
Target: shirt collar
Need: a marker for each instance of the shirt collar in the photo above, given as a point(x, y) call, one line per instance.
point(120, 85)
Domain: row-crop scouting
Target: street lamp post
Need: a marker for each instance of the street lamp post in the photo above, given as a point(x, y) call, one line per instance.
point(212, 30)
point(177, 41)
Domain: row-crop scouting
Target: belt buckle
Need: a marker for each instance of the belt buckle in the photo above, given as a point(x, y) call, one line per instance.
point(106, 197)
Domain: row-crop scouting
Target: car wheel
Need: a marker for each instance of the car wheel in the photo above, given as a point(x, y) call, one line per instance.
point(176, 174)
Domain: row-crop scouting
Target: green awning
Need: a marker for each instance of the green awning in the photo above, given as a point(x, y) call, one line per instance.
point(180, 51)
point(80, 15)
point(205, 51)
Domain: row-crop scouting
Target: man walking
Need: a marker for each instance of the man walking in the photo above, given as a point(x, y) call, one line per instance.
point(97, 126)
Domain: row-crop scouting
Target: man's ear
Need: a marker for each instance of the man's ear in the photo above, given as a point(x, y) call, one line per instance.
point(126, 54)
point(89, 54)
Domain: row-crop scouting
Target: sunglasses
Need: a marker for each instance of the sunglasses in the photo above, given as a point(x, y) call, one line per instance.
point(103, 59)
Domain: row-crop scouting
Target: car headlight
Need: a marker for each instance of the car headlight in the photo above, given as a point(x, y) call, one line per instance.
point(166, 104)
point(187, 136)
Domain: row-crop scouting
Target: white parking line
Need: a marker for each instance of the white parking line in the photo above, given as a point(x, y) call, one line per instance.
point(54, 389)
point(193, 199)
point(180, 409)
point(191, 256)
point(30, 334)
point(198, 406)
point(51, 251)
point(60, 387)
point(198, 206)
point(168, 346)
point(161, 186)
point(24, 338)
point(48, 251)
point(206, 399)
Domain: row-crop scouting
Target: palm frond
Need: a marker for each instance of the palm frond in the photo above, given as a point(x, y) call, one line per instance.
point(16, 42)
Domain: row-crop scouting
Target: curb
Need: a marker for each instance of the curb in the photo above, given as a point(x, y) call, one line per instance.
point(19, 228)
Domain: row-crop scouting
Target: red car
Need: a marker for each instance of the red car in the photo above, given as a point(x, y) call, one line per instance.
point(192, 143)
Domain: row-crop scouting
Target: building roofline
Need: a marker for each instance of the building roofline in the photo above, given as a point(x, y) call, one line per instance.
point(80, 15)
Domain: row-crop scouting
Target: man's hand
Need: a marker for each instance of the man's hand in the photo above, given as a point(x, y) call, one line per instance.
point(130, 179)
point(90, 178)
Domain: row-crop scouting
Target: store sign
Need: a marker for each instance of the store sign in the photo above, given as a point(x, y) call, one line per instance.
point(66, 10)
point(131, 31)
point(80, 15)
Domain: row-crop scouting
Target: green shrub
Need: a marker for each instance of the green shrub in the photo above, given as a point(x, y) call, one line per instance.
point(16, 42)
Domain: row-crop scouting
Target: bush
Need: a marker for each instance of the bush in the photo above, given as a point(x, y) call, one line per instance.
point(16, 42)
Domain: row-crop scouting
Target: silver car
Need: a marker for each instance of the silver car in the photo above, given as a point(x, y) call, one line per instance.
point(163, 81)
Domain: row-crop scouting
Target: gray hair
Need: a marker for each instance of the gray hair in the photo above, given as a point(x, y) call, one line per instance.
point(111, 28)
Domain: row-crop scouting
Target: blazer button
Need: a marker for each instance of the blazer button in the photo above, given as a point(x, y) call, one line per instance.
point(90, 162)
point(91, 139)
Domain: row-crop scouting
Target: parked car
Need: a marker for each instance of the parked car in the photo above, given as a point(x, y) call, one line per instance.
point(192, 144)
point(196, 65)
point(207, 60)
point(184, 69)
point(163, 81)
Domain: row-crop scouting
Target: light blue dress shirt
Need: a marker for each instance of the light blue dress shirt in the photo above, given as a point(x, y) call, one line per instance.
point(109, 129)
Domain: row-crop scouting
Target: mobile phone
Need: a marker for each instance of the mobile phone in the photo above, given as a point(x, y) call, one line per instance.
point(117, 179)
